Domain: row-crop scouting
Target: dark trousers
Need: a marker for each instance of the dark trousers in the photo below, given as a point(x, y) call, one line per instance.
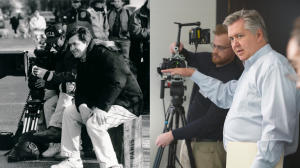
point(143, 77)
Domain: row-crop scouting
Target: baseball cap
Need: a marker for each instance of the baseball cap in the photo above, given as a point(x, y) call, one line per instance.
point(52, 34)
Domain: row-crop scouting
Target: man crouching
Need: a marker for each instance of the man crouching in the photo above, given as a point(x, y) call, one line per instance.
point(106, 96)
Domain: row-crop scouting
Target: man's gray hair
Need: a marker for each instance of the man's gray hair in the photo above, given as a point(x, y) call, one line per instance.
point(252, 21)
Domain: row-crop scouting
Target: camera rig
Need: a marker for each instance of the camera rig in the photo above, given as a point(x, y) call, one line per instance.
point(45, 59)
point(177, 88)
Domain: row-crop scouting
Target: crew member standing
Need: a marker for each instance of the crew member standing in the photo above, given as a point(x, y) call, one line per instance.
point(118, 19)
point(76, 17)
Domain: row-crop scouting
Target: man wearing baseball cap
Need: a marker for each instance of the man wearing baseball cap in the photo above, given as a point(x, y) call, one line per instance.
point(63, 82)
point(76, 16)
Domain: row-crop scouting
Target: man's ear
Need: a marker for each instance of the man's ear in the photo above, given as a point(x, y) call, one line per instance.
point(259, 35)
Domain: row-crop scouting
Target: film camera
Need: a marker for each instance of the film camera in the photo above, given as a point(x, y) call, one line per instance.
point(177, 88)
point(45, 59)
point(33, 107)
point(196, 36)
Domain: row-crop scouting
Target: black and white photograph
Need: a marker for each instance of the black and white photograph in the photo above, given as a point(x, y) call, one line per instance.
point(223, 84)
point(74, 83)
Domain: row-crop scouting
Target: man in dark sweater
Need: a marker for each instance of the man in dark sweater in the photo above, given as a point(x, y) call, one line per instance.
point(107, 95)
point(204, 119)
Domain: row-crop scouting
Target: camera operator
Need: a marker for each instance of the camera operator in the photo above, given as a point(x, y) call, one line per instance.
point(63, 81)
point(107, 95)
point(264, 105)
point(204, 119)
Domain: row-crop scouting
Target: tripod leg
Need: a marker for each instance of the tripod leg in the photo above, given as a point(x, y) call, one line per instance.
point(159, 154)
point(25, 121)
point(33, 122)
point(160, 150)
point(37, 119)
point(30, 117)
point(173, 145)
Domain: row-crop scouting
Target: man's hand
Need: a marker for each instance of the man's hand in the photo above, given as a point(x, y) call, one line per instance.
point(39, 72)
point(40, 83)
point(171, 48)
point(99, 116)
point(164, 140)
point(186, 72)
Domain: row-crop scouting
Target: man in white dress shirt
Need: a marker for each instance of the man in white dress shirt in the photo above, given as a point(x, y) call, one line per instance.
point(264, 105)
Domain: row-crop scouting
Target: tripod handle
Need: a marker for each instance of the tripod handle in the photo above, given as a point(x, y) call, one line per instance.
point(162, 88)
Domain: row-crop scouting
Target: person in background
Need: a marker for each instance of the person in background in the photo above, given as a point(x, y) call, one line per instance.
point(118, 19)
point(293, 55)
point(293, 50)
point(14, 21)
point(37, 26)
point(139, 54)
point(76, 16)
point(98, 13)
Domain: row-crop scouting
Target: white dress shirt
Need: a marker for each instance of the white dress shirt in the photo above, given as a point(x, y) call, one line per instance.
point(264, 106)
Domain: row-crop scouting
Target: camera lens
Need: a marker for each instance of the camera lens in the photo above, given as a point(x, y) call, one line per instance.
point(175, 64)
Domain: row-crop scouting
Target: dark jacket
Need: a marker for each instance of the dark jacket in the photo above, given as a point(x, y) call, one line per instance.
point(79, 17)
point(14, 21)
point(104, 80)
point(70, 15)
point(65, 69)
point(124, 19)
point(205, 119)
point(139, 29)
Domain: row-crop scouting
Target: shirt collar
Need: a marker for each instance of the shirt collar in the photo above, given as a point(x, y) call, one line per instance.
point(118, 10)
point(265, 49)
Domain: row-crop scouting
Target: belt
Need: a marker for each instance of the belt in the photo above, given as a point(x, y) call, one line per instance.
point(198, 139)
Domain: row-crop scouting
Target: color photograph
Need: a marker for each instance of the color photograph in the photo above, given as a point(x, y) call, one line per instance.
point(224, 92)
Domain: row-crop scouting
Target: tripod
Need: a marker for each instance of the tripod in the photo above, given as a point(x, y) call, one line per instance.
point(177, 110)
point(32, 115)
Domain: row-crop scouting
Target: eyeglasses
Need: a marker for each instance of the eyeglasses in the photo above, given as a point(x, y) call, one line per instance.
point(220, 48)
point(75, 1)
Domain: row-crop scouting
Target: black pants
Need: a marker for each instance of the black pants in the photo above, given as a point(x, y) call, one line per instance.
point(143, 78)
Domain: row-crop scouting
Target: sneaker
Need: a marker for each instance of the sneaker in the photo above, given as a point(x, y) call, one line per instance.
point(69, 163)
point(59, 157)
point(53, 149)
